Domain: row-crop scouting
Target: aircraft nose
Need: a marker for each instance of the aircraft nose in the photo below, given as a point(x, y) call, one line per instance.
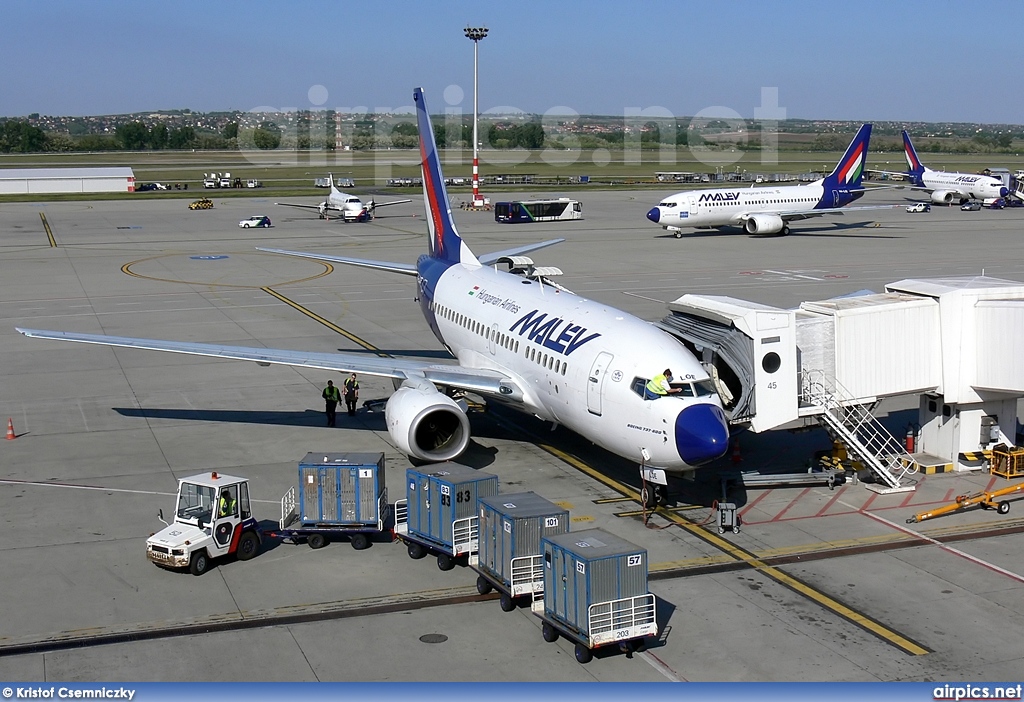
point(1004, 191)
point(702, 434)
point(654, 215)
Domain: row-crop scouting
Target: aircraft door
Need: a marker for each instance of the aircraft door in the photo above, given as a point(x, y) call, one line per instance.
point(595, 382)
point(693, 205)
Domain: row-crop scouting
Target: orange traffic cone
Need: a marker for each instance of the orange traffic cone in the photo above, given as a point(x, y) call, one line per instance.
point(10, 429)
point(736, 457)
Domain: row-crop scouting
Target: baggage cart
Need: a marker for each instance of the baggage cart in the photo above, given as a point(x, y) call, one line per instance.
point(438, 514)
point(595, 592)
point(509, 560)
point(340, 496)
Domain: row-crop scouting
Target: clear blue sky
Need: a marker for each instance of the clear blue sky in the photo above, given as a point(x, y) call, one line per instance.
point(858, 60)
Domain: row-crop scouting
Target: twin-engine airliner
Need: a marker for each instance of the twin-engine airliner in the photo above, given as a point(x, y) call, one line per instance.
point(945, 187)
point(519, 340)
point(770, 210)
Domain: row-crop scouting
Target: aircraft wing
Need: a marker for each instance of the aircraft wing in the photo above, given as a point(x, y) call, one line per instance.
point(491, 258)
point(485, 382)
point(393, 202)
point(403, 268)
point(807, 214)
point(324, 206)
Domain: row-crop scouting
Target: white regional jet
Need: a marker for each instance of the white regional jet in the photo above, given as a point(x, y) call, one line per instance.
point(519, 340)
point(770, 210)
point(352, 209)
point(947, 187)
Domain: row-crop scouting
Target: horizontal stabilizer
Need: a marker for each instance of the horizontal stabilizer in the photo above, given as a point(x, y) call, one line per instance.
point(403, 268)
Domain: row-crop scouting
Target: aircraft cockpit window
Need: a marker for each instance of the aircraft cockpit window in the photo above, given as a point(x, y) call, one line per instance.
point(638, 386)
point(686, 390)
point(667, 204)
point(704, 388)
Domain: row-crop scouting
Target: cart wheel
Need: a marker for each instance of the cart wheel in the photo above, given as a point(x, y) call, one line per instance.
point(721, 530)
point(506, 602)
point(583, 654)
point(199, 563)
point(445, 562)
point(735, 530)
point(1003, 507)
point(360, 542)
point(248, 546)
point(416, 551)
point(317, 541)
point(549, 633)
point(483, 585)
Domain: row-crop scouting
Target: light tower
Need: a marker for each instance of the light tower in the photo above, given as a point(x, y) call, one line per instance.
point(476, 34)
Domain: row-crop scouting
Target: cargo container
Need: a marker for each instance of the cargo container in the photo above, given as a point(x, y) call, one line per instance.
point(595, 592)
point(339, 495)
point(511, 527)
point(439, 513)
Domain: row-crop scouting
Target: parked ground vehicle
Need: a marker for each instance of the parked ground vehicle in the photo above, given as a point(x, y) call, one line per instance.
point(971, 206)
point(997, 204)
point(919, 207)
point(255, 221)
point(203, 203)
point(253, 183)
point(213, 519)
point(345, 183)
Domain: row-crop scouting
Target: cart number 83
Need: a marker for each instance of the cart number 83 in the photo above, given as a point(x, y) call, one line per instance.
point(460, 496)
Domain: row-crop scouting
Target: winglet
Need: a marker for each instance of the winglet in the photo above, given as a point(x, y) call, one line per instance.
point(445, 242)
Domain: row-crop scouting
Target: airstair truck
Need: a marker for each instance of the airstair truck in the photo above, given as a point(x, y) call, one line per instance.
point(213, 519)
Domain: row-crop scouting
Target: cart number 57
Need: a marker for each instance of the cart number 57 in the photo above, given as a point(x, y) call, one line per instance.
point(634, 560)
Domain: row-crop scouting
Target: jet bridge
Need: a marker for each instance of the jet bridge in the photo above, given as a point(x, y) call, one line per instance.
point(955, 342)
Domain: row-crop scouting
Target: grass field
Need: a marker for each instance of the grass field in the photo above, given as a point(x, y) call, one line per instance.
point(288, 173)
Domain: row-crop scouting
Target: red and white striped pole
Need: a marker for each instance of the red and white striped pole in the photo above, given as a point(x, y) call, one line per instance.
point(476, 34)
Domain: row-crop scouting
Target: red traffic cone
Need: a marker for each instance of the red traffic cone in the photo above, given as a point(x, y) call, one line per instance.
point(10, 429)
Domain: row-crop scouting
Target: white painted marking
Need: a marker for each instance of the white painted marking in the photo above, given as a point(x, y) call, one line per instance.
point(949, 549)
point(82, 412)
point(792, 274)
point(643, 297)
point(105, 489)
point(660, 666)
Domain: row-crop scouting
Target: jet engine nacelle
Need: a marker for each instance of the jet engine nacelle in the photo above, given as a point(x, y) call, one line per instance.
point(943, 197)
point(763, 224)
point(426, 424)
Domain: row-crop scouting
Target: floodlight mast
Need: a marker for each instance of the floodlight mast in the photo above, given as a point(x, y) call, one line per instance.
point(476, 34)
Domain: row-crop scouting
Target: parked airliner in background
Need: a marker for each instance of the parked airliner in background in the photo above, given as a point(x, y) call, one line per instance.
point(352, 209)
point(519, 340)
point(770, 210)
point(944, 187)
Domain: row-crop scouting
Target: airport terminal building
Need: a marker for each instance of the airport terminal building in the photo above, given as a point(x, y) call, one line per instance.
point(28, 181)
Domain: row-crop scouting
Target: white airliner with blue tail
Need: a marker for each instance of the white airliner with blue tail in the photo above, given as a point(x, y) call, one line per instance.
point(944, 186)
point(519, 340)
point(769, 210)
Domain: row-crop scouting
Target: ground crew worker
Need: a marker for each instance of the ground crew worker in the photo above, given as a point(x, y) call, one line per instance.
point(331, 398)
point(227, 504)
point(351, 394)
point(659, 385)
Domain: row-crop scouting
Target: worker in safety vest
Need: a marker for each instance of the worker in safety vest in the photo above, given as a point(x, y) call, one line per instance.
point(331, 398)
point(227, 504)
point(660, 385)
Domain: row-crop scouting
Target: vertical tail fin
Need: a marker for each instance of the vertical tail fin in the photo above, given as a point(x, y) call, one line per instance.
point(914, 166)
point(445, 242)
point(850, 169)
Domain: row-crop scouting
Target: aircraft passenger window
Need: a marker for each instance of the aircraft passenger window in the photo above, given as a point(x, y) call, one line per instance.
point(563, 368)
point(517, 347)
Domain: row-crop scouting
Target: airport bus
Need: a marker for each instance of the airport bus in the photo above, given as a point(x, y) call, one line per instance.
point(538, 211)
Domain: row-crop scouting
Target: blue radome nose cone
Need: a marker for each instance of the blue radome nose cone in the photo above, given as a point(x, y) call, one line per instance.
point(1003, 192)
point(654, 215)
point(702, 434)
